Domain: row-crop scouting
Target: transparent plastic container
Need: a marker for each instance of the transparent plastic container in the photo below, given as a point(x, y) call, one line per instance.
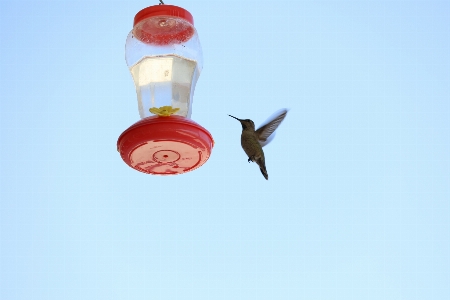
point(164, 55)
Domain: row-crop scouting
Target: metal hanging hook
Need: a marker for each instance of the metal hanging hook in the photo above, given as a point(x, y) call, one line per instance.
point(161, 2)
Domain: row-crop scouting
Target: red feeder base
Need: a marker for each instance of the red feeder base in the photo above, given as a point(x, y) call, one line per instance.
point(165, 145)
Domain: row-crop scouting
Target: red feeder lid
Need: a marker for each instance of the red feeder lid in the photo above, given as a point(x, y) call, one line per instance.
point(160, 31)
point(163, 10)
point(165, 145)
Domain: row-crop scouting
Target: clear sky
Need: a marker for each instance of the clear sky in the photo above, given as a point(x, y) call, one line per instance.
point(357, 203)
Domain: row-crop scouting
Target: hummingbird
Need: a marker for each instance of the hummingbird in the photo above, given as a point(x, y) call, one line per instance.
point(253, 140)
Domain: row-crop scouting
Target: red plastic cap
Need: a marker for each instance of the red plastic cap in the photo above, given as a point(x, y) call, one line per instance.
point(163, 10)
point(163, 25)
point(165, 145)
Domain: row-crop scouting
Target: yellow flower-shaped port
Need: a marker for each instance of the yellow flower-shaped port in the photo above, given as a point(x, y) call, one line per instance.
point(164, 111)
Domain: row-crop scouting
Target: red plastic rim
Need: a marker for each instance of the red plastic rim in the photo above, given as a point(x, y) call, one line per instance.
point(163, 25)
point(165, 145)
point(163, 10)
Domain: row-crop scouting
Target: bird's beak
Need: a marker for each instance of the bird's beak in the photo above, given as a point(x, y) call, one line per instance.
point(235, 118)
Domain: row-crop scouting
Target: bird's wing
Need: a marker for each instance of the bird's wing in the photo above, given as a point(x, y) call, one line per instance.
point(265, 133)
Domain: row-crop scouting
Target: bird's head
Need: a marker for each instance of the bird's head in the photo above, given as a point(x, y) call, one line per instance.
point(246, 124)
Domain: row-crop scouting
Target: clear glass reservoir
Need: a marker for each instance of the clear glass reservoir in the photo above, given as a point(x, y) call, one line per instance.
point(164, 56)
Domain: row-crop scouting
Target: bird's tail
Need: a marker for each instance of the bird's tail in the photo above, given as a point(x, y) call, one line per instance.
point(262, 167)
point(264, 172)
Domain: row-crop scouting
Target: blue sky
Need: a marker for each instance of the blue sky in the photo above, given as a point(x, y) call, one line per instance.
point(357, 204)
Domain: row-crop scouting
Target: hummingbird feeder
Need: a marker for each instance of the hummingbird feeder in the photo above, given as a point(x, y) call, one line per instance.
point(164, 55)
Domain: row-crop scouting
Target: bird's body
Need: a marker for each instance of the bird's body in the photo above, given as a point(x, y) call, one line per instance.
point(253, 149)
point(253, 140)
